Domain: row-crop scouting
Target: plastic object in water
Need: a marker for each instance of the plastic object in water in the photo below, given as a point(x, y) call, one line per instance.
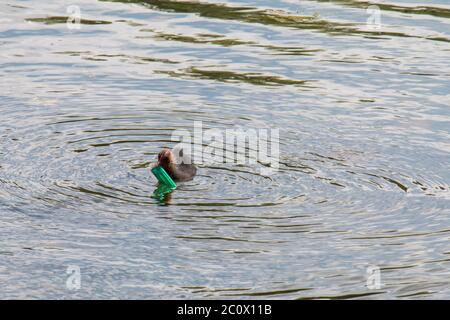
point(163, 177)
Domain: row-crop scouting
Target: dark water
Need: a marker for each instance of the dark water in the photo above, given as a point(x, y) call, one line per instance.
point(364, 120)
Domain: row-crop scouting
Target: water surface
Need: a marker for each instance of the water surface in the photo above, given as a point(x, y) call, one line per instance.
point(364, 119)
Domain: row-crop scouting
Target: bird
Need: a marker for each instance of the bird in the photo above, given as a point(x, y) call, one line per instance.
point(178, 172)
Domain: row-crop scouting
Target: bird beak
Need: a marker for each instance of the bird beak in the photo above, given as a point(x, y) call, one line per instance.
point(164, 154)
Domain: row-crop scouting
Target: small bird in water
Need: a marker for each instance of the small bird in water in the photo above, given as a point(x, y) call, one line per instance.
point(178, 172)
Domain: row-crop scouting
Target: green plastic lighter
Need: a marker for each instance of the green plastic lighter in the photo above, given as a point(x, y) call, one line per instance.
point(163, 177)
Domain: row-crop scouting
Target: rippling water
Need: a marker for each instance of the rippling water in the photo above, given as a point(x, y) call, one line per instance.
point(364, 119)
